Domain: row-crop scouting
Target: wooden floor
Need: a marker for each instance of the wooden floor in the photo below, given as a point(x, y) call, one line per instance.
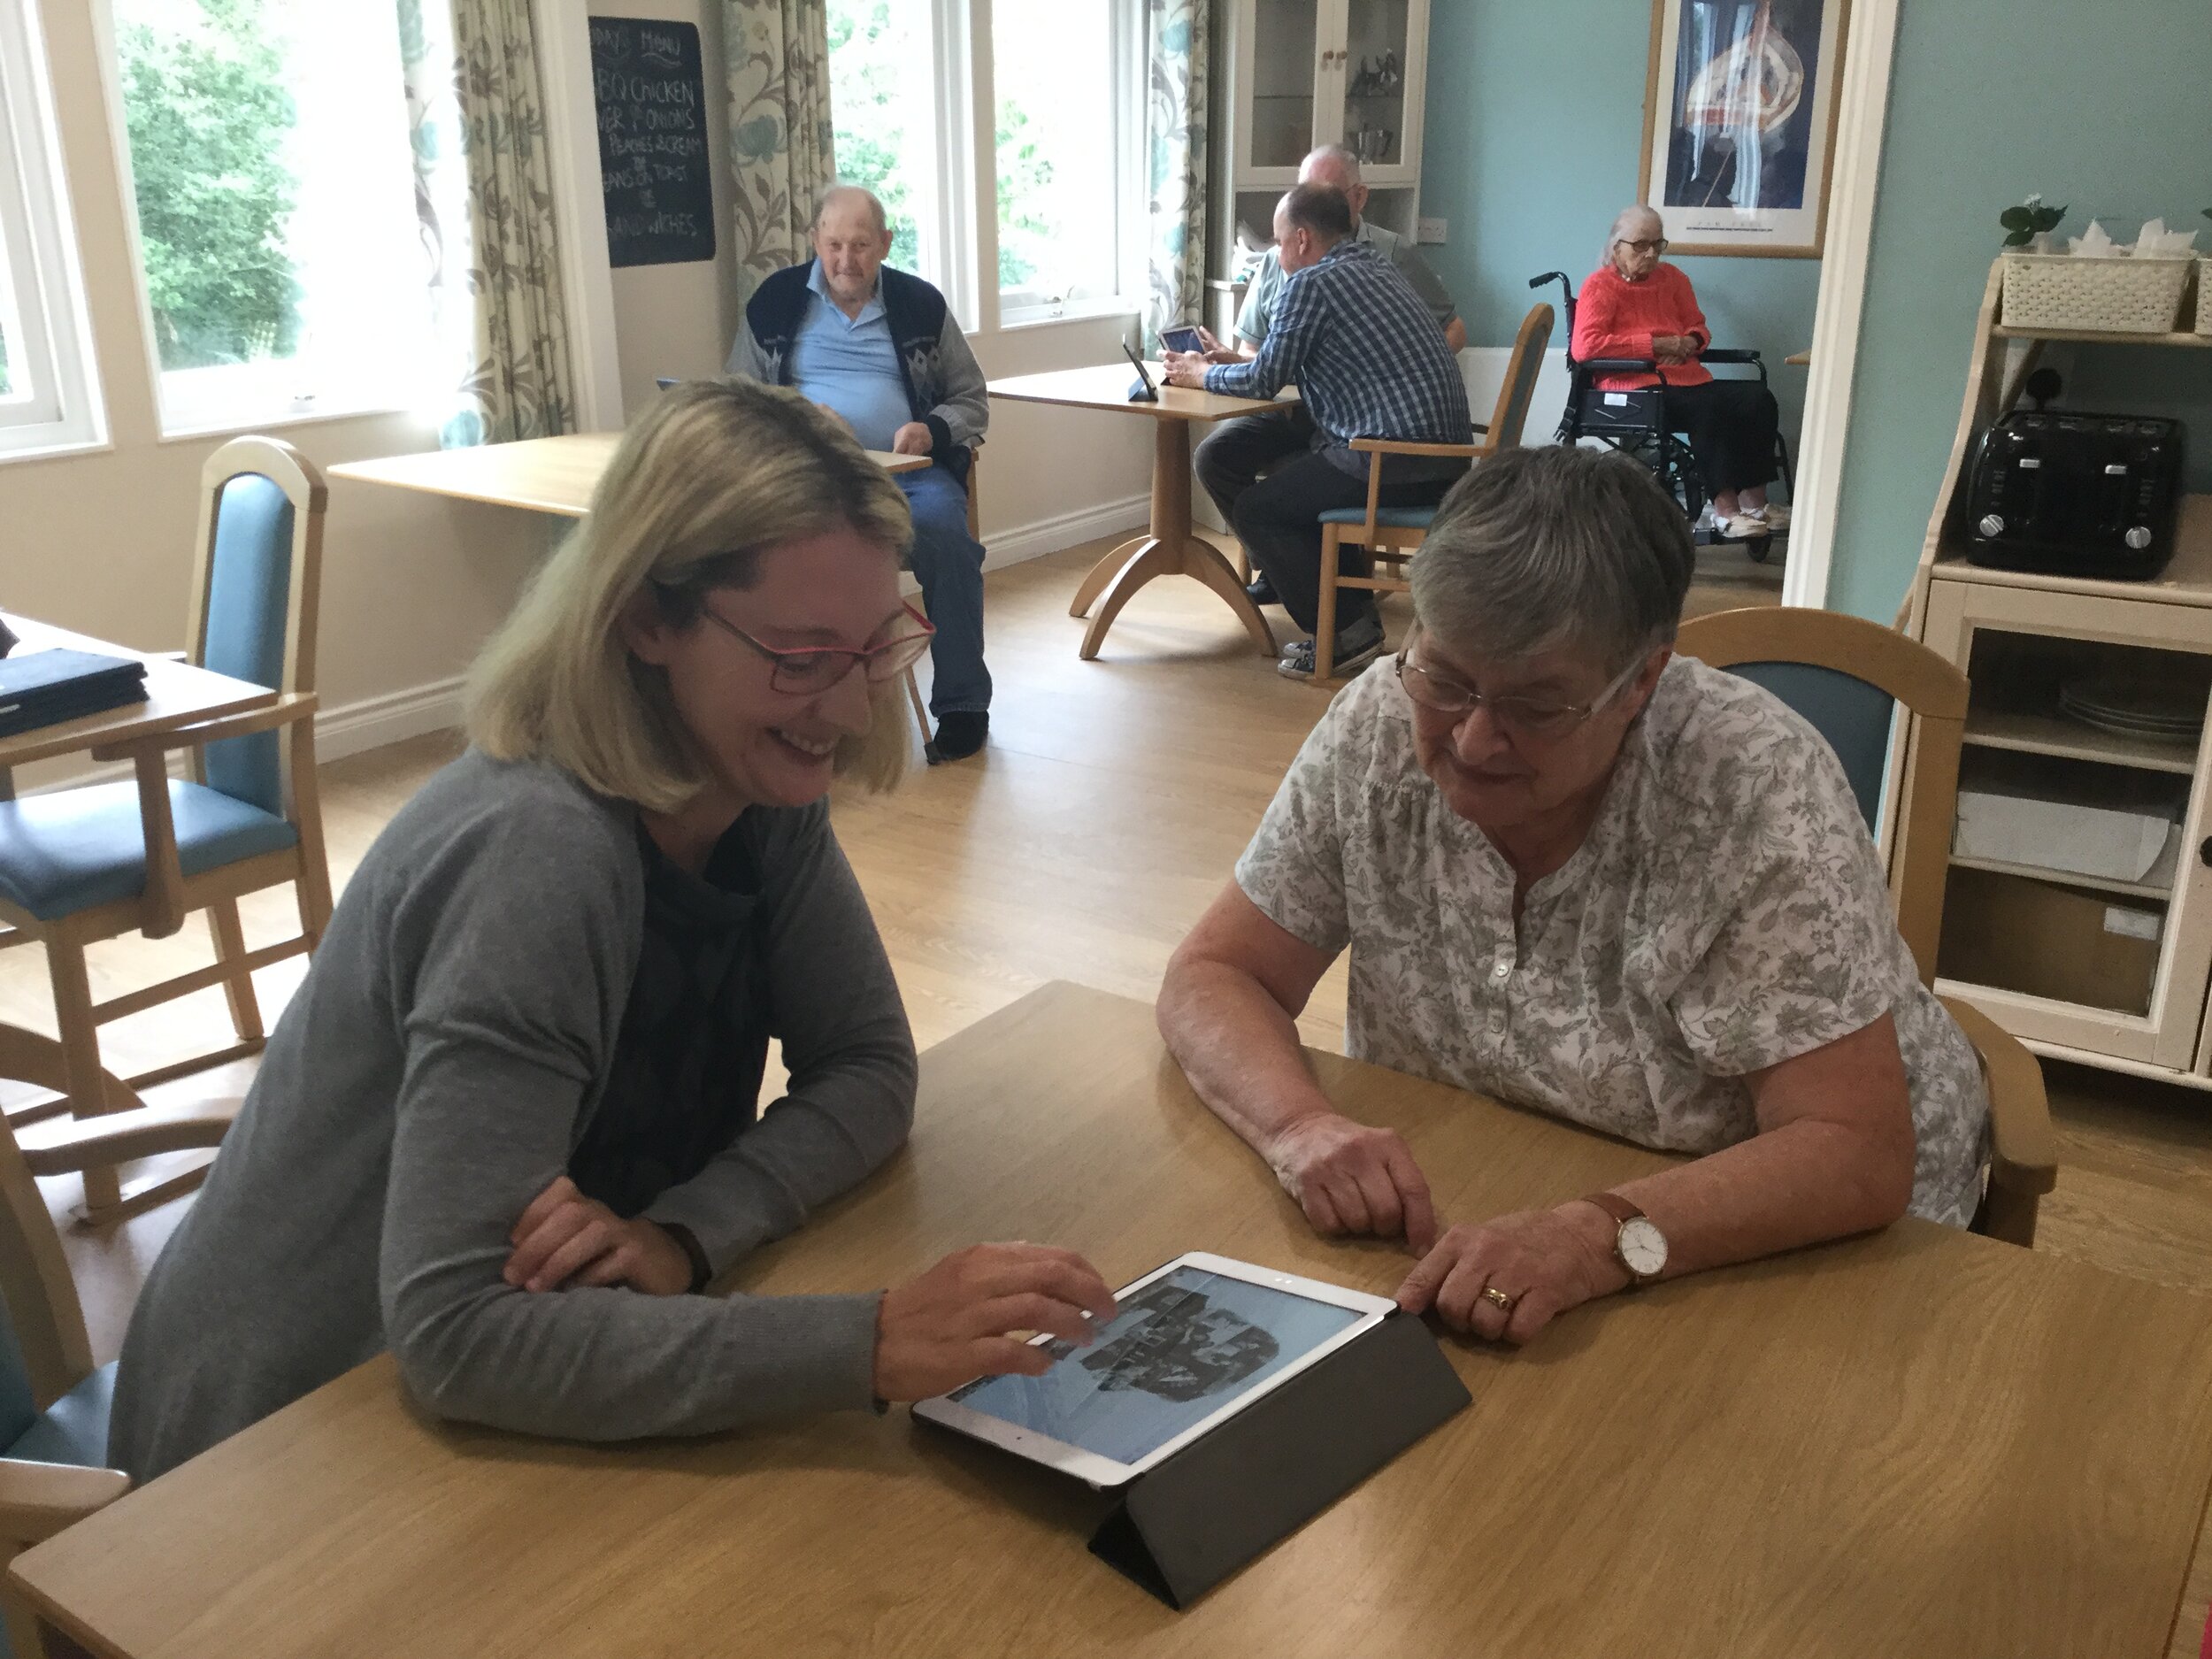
point(1107, 811)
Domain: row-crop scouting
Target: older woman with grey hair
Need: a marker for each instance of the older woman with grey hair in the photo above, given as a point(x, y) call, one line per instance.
point(1579, 873)
point(1634, 305)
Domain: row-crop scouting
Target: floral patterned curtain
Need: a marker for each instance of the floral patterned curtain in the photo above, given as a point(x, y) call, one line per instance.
point(477, 114)
point(1176, 34)
point(775, 53)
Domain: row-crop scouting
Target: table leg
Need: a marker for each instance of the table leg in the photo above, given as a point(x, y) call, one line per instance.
point(1103, 572)
point(1171, 548)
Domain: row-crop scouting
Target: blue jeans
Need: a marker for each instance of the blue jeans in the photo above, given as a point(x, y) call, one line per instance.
point(948, 563)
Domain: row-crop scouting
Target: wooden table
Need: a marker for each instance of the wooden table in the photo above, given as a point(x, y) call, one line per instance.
point(1917, 1443)
point(555, 475)
point(176, 694)
point(1169, 545)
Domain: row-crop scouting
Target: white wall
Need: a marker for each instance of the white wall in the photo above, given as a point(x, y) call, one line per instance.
point(101, 542)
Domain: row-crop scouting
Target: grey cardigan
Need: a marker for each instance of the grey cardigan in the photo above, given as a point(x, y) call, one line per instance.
point(435, 1073)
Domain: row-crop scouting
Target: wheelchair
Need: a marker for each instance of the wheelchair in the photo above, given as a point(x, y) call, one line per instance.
point(1630, 422)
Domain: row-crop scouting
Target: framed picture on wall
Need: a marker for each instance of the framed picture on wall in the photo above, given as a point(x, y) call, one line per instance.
point(1740, 123)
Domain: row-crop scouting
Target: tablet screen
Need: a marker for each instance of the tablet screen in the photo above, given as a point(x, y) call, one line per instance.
point(1181, 1349)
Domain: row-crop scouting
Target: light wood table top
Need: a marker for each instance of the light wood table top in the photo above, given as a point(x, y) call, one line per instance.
point(176, 694)
point(1916, 1443)
point(1168, 547)
point(555, 475)
point(1106, 385)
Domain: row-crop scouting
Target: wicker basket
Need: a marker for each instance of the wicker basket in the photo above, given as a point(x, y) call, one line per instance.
point(2120, 295)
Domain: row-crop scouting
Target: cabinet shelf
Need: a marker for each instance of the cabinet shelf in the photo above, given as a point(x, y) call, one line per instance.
point(2161, 892)
point(2100, 337)
point(2047, 735)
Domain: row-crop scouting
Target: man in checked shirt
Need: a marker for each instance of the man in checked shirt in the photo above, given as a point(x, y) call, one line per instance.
point(1369, 362)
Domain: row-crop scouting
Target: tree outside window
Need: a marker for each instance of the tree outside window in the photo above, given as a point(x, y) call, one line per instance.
point(209, 116)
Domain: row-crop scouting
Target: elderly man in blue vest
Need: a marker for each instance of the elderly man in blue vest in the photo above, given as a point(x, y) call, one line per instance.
point(882, 350)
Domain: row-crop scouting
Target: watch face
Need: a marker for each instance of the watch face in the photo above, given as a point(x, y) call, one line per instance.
point(1642, 1246)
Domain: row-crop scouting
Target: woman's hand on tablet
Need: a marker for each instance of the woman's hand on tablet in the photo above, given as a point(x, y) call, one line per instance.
point(1353, 1178)
point(954, 1323)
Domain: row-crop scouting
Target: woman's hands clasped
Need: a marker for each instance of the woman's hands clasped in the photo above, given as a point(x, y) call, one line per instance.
point(957, 1322)
point(566, 1240)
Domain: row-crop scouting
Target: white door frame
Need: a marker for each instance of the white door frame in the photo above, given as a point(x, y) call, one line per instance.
point(571, 140)
point(1855, 175)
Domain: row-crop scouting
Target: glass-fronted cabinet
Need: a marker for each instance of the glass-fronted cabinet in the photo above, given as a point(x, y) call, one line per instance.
point(1377, 44)
point(1303, 72)
point(1299, 73)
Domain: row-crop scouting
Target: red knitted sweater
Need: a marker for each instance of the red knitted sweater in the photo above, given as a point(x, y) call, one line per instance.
point(1615, 318)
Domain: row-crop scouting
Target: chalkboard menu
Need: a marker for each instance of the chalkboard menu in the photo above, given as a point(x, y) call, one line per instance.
point(653, 145)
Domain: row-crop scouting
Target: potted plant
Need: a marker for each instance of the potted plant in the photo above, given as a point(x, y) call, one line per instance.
point(2029, 225)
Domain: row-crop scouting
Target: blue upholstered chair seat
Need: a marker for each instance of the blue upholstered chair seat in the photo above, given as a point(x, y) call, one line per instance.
point(68, 851)
point(1389, 518)
point(73, 1429)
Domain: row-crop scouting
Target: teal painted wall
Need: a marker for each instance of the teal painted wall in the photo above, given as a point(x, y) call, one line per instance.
point(1529, 156)
point(2106, 107)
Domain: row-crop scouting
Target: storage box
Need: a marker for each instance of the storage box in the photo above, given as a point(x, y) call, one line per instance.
point(2016, 934)
point(2005, 824)
point(2119, 294)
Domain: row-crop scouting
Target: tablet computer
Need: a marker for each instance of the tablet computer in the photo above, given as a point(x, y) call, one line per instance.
point(1194, 1342)
point(1143, 391)
point(1182, 337)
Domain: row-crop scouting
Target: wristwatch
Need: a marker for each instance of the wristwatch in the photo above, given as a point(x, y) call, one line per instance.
point(1638, 1246)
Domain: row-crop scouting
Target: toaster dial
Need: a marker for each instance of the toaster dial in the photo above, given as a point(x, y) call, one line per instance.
point(2139, 536)
point(1992, 524)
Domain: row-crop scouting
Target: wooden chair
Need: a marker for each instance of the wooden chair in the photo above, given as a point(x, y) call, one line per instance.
point(54, 1403)
point(85, 864)
point(1847, 677)
point(975, 529)
point(1391, 534)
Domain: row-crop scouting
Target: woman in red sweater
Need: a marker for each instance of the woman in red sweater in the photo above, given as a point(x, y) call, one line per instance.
point(1633, 306)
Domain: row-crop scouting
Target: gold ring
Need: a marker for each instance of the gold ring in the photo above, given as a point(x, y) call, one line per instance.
point(1491, 1293)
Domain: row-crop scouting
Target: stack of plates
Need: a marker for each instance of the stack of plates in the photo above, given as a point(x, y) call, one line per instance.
point(2136, 705)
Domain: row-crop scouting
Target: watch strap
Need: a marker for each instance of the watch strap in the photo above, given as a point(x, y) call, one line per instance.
point(1616, 1206)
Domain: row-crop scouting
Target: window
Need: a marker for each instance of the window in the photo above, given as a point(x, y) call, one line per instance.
point(270, 161)
point(45, 391)
point(1063, 89)
point(1067, 137)
point(883, 108)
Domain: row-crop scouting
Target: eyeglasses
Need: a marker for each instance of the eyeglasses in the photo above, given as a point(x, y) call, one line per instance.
point(816, 668)
point(1521, 718)
point(1657, 245)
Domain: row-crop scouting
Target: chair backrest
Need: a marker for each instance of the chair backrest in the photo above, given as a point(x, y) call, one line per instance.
point(255, 588)
point(44, 1351)
point(1845, 676)
point(1521, 370)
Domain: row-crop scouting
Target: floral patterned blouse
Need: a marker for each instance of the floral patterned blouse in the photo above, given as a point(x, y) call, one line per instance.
point(1727, 913)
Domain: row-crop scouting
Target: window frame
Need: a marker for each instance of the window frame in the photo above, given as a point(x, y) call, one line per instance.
point(223, 399)
point(957, 240)
point(51, 338)
point(1020, 308)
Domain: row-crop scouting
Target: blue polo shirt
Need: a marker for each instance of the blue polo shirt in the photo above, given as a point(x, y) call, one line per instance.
point(848, 363)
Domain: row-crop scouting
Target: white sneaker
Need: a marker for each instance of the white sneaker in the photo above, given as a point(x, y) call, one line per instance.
point(1776, 515)
point(1742, 526)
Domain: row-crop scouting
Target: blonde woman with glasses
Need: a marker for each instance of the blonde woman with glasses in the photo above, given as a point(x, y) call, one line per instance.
point(510, 1126)
point(1577, 872)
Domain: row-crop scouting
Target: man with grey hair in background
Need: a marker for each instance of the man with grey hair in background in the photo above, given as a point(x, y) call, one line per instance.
point(1237, 452)
point(881, 349)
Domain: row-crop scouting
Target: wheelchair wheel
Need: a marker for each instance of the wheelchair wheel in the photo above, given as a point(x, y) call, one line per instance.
point(1679, 474)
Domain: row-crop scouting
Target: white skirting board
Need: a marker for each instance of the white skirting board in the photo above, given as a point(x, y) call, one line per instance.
point(354, 728)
